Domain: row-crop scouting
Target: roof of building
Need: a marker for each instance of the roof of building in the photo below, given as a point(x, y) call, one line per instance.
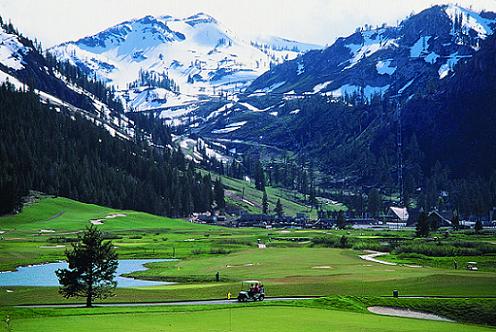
point(400, 213)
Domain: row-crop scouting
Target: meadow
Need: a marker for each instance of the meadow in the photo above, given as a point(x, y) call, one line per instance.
point(295, 263)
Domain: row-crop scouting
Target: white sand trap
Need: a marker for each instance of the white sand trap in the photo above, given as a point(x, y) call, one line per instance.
point(400, 312)
point(9, 291)
point(47, 231)
point(52, 247)
point(285, 232)
point(96, 222)
point(322, 267)
point(239, 265)
point(189, 240)
point(2, 232)
point(262, 246)
point(115, 215)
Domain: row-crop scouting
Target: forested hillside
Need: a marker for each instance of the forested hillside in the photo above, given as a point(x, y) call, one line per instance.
point(64, 154)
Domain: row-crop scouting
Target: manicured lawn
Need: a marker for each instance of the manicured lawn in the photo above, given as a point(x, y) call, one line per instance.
point(290, 265)
point(266, 318)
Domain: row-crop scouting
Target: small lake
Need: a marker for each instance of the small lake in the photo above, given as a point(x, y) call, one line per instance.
point(44, 274)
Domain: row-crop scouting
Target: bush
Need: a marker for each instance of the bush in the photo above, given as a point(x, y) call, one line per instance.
point(219, 251)
point(438, 249)
point(61, 239)
point(332, 242)
point(369, 245)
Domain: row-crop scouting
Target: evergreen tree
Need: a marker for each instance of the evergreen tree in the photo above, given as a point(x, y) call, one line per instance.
point(478, 226)
point(265, 203)
point(455, 221)
point(279, 209)
point(219, 195)
point(259, 176)
point(422, 228)
point(92, 267)
point(341, 221)
point(374, 202)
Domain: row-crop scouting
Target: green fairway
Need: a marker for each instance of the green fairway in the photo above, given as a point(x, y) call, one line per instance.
point(266, 318)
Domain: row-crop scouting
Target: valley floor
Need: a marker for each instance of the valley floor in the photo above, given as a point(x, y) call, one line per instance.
point(292, 264)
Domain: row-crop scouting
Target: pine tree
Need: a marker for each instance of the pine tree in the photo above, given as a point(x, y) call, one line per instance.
point(92, 267)
point(455, 221)
point(341, 221)
point(374, 202)
point(422, 228)
point(259, 176)
point(279, 209)
point(478, 226)
point(265, 203)
point(219, 195)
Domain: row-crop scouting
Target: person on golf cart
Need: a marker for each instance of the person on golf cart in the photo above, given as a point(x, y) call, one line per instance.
point(252, 290)
point(256, 290)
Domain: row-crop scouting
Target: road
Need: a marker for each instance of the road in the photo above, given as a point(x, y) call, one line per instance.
point(150, 304)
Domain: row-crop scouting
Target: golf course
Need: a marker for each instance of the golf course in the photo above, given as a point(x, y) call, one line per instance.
point(293, 263)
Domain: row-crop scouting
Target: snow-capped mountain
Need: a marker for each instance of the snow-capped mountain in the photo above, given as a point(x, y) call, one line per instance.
point(423, 49)
point(165, 61)
point(22, 65)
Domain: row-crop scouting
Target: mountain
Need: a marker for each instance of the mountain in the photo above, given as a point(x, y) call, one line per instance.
point(438, 61)
point(418, 53)
point(23, 65)
point(162, 61)
point(64, 134)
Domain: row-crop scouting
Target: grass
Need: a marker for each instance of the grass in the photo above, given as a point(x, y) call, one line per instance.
point(267, 317)
point(338, 313)
point(291, 201)
point(291, 265)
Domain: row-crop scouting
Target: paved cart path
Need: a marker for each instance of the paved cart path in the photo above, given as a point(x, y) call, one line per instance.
point(150, 304)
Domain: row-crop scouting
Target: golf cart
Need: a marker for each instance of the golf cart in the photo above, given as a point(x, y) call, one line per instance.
point(253, 293)
point(472, 266)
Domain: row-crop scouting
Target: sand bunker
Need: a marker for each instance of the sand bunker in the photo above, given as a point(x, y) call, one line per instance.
point(322, 267)
point(400, 312)
point(115, 215)
point(52, 247)
point(96, 222)
point(47, 231)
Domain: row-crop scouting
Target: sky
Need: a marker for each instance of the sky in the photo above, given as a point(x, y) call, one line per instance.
point(314, 21)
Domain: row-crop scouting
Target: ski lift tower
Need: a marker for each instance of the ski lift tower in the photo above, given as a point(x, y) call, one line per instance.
point(396, 99)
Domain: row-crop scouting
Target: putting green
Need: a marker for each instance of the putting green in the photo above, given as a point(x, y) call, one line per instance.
point(247, 319)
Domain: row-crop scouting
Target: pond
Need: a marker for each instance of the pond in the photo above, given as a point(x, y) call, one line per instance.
point(44, 274)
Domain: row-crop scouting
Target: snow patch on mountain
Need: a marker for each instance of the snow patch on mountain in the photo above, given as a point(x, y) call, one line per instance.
point(321, 86)
point(470, 20)
point(372, 42)
point(420, 47)
point(384, 67)
point(230, 128)
point(11, 51)
point(349, 89)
